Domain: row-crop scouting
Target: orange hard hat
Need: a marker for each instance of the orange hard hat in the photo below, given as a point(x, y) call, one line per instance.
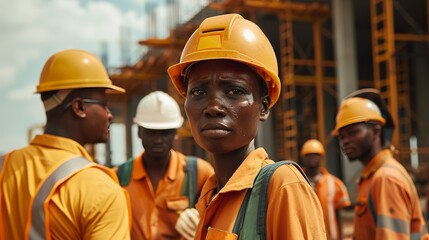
point(72, 69)
point(230, 37)
point(375, 96)
point(312, 146)
point(355, 110)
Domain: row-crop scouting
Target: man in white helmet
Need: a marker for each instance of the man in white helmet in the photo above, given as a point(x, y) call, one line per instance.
point(163, 184)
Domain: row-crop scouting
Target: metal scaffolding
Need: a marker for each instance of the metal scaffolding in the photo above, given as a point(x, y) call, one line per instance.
point(391, 71)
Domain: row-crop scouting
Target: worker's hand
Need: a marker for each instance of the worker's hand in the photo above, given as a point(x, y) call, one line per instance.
point(187, 223)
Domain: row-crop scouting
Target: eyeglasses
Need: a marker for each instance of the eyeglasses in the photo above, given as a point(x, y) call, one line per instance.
point(91, 101)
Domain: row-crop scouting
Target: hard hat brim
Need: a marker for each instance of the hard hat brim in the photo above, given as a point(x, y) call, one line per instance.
point(159, 125)
point(52, 86)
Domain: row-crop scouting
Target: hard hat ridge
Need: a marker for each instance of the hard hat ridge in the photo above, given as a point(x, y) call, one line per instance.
point(229, 37)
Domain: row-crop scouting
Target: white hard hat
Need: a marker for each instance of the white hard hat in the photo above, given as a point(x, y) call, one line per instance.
point(158, 110)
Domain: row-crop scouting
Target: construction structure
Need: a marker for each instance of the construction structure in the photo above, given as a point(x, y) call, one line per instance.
point(326, 49)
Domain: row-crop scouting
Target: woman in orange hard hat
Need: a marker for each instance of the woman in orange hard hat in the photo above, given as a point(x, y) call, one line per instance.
point(52, 189)
point(388, 206)
point(228, 74)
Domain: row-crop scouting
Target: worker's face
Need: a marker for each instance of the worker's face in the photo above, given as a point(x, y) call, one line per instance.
point(312, 160)
point(224, 105)
point(157, 143)
point(356, 140)
point(96, 115)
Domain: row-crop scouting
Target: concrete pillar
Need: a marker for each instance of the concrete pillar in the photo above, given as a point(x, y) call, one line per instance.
point(421, 97)
point(346, 72)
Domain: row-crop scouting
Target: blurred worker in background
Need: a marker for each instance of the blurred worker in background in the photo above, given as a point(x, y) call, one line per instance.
point(52, 189)
point(331, 190)
point(388, 205)
point(228, 75)
point(163, 184)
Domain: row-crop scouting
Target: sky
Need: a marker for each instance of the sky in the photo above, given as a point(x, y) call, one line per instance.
point(32, 30)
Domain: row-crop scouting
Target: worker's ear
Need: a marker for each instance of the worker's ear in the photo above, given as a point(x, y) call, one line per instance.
point(265, 108)
point(78, 108)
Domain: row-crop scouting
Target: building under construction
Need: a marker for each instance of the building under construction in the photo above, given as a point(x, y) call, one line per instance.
point(326, 49)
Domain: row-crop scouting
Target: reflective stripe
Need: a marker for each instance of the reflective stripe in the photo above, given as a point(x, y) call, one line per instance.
point(331, 211)
point(394, 224)
point(38, 226)
point(415, 236)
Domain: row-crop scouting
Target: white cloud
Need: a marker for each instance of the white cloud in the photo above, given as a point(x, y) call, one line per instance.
point(32, 30)
point(22, 94)
point(7, 74)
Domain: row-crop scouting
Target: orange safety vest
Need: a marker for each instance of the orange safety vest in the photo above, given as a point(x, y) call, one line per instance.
point(38, 221)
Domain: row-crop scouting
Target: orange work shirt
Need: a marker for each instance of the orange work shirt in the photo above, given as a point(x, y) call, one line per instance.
point(88, 205)
point(155, 213)
point(388, 205)
point(293, 211)
point(333, 195)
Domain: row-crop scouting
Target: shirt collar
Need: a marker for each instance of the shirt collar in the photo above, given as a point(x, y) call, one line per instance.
point(375, 163)
point(57, 142)
point(324, 171)
point(140, 172)
point(246, 173)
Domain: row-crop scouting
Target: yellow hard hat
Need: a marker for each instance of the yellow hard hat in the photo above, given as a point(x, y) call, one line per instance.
point(312, 146)
point(231, 37)
point(72, 69)
point(356, 110)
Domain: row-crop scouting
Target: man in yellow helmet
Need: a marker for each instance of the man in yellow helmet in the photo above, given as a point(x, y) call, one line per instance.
point(228, 74)
point(163, 184)
point(388, 206)
point(331, 190)
point(52, 189)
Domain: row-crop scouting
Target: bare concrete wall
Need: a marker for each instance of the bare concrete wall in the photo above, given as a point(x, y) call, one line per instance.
point(421, 96)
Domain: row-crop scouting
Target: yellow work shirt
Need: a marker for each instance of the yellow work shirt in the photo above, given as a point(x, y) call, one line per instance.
point(155, 213)
point(293, 211)
point(89, 205)
point(388, 205)
point(333, 195)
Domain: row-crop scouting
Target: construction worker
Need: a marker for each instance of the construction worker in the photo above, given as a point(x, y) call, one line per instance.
point(52, 189)
point(157, 178)
point(387, 204)
point(331, 190)
point(228, 75)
